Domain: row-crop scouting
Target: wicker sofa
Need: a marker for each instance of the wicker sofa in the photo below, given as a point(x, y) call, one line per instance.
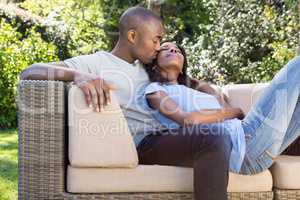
point(60, 160)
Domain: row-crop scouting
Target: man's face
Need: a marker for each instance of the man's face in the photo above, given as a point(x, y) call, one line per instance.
point(148, 41)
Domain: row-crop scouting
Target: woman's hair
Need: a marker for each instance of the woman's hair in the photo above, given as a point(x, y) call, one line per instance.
point(183, 78)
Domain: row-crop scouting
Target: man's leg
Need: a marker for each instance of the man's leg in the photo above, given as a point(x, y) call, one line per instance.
point(208, 154)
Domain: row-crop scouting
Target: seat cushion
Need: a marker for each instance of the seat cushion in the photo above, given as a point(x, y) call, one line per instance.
point(98, 139)
point(243, 95)
point(153, 178)
point(285, 172)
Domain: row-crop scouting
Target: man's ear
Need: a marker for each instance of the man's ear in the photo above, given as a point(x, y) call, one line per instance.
point(131, 36)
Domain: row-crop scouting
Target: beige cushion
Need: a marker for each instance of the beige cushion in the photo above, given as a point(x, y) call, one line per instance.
point(154, 178)
point(286, 172)
point(98, 139)
point(244, 95)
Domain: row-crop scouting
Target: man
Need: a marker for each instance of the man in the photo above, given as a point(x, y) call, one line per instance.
point(140, 32)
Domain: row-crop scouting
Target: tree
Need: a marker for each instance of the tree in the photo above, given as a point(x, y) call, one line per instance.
point(155, 5)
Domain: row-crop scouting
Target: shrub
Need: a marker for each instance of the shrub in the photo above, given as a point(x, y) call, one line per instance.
point(229, 41)
point(81, 22)
point(16, 53)
point(248, 42)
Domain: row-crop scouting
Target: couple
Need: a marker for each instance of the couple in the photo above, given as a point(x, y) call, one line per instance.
point(184, 122)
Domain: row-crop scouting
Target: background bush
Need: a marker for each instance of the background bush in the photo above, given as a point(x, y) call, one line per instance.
point(228, 41)
point(247, 42)
point(88, 25)
point(17, 51)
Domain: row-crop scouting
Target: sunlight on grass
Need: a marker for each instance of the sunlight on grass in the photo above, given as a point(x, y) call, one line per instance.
point(8, 164)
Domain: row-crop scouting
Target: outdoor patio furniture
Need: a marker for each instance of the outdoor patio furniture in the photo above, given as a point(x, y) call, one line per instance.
point(67, 151)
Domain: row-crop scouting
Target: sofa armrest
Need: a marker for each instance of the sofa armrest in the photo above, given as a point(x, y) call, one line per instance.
point(41, 127)
point(244, 96)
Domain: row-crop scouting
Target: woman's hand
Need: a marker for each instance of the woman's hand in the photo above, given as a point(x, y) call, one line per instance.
point(212, 115)
point(240, 114)
point(223, 100)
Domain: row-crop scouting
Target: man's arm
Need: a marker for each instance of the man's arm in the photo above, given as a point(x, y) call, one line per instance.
point(48, 71)
point(95, 89)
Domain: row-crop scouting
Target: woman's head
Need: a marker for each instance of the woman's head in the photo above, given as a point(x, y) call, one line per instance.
point(170, 64)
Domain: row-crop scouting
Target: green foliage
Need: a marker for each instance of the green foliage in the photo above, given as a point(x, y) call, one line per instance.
point(81, 22)
point(112, 10)
point(228, 41)
point(88, 25)
point(16, 53)
point(187, 18)
point(247, 42)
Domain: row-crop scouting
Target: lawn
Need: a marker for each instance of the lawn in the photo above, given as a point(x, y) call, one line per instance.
point(8, 164)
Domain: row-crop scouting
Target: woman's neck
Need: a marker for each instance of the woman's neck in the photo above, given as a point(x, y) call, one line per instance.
point(171, 76)
point(173, 82)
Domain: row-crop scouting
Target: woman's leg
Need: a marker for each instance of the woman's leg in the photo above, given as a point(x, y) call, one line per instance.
point(293, 130)
point(271, 123)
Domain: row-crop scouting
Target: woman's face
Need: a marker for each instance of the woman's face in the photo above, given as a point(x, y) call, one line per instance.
point(170, 56)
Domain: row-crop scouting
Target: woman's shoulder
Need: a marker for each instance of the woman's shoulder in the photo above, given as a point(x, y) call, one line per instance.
point(166, 87)
point(154, 87)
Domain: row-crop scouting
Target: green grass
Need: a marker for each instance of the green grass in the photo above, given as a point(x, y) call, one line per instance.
point(8, 164)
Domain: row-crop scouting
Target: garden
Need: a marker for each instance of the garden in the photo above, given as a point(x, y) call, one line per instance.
point(228, 41)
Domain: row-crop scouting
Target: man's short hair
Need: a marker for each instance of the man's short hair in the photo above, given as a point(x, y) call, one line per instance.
point(135, 16)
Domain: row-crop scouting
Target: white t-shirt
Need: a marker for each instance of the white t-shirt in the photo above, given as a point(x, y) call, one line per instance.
point(130, 79)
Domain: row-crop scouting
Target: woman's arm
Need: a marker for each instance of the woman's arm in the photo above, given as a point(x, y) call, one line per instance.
point(169, 108)
point(213, 115)
point(203, 86)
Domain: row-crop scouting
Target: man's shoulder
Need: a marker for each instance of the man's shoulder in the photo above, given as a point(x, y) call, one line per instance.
point(87, 62)
point(101, 53)
point(87, 57)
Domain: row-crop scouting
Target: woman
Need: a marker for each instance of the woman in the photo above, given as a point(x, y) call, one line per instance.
point(270, 127)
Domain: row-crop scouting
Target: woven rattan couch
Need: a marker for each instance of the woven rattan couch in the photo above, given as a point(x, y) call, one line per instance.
point(48, 170)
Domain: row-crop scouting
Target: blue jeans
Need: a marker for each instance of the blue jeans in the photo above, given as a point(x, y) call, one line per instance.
point(273, 122)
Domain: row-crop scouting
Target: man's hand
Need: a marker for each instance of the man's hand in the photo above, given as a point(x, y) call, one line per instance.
point(96, 90)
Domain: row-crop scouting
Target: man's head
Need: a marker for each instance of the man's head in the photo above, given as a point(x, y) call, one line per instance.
point(141, 30)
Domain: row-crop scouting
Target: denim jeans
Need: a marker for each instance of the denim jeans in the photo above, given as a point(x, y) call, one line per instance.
point(273, 122)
